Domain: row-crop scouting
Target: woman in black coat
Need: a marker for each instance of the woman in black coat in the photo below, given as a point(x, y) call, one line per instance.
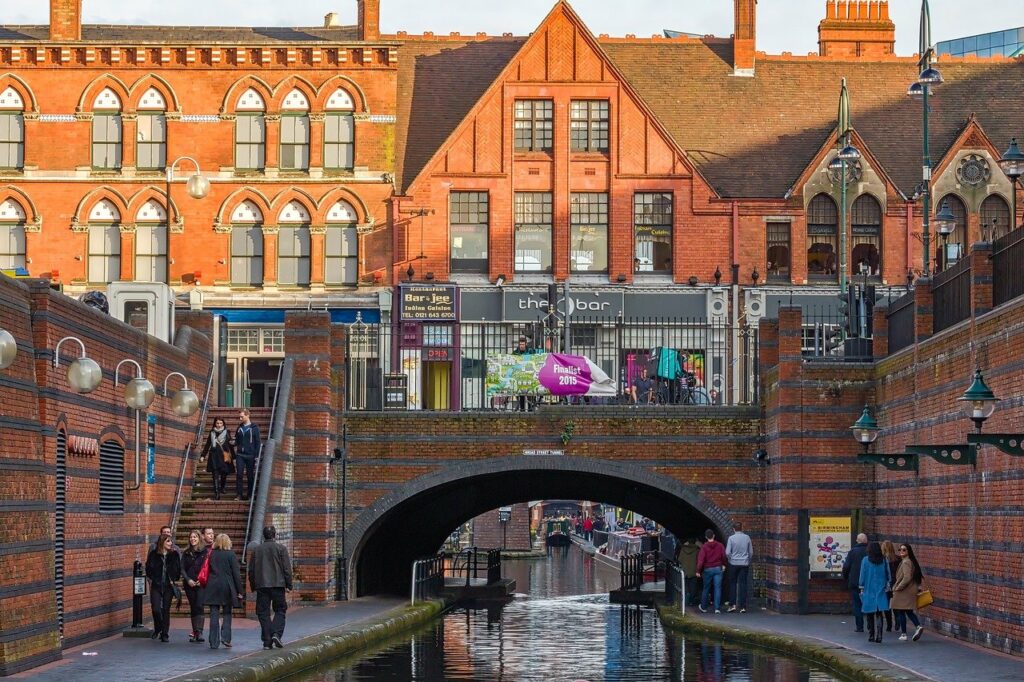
point(223, 589)
point(163, 568)
point(191, 563)
point(219, 455)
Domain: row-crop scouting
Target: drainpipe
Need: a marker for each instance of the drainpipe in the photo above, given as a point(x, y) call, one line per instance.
point(138, 454)
point(910, 234)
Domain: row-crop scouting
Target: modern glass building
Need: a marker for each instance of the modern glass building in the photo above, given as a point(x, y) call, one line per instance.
point(1009, 43)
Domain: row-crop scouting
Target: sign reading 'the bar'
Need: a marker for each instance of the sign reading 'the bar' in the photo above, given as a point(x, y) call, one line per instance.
point(429, 303)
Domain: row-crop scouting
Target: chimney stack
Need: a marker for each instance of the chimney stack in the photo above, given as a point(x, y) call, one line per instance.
point(744, 38)
point(332, 20)
point(65, 20)
point(856, 28)
point(369, 19)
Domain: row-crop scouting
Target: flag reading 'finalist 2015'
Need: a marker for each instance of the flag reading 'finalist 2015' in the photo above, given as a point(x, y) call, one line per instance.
point(546, 373)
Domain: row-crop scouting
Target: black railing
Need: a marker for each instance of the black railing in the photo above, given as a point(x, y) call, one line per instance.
point(427, 578)
point(901, 320)
point(1008, 267)
point(474, 563)
point(829, 335)
point(675, 584)
point(444, 366)
point(634, 567)
point(951, 296)
point(186, 456)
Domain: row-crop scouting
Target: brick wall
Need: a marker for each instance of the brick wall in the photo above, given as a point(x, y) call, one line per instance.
point(513, 534)
point(99, 547)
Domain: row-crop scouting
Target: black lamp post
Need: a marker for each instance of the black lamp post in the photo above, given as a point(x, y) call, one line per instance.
point(945, 223)
point(1012, 164)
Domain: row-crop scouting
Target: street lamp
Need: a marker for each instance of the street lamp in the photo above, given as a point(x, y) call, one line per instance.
point(197, 186)
point(945, 223)
point(846, 153)
point(84, 374)
point(928, 79)
point(865, 431)
point(185, 402)
point(979, 401)
point(1012, 164)
point(138, 392)
point(8, 349)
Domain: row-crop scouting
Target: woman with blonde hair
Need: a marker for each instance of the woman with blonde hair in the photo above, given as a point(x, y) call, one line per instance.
point(223, 590)
point(893, 559)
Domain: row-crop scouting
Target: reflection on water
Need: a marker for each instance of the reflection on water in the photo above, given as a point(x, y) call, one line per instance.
point(561, 627)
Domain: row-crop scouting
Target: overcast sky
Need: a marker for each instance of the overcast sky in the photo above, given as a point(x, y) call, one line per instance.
point(783, 25)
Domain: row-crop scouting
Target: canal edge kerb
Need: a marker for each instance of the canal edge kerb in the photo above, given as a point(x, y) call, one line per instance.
point(848, 664)
point(320, 648)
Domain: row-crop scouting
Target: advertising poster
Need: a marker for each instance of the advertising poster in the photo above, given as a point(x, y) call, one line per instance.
point(830, 543)
point(545, 373)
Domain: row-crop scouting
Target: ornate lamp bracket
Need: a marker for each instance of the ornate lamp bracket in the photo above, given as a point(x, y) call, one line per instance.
point(959, 453)
point(903, 462)
point(1010, 443)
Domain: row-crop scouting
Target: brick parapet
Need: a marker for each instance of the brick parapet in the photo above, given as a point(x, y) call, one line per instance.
point(981, 278)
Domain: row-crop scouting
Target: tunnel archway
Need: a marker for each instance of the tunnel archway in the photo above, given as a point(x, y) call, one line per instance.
point(413, 520)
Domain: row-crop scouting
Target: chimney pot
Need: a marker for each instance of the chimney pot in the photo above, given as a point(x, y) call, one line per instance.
point(862, 10)
point(830, 9)
point(873, 11)
point(332, 20)
point(883, 11)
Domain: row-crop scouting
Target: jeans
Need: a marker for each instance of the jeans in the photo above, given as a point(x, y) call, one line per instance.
point(195, 610)
point(739, 575)
point(901, 619)
point(693, 585)
point(712, 576)
point(267, 597)
point(219, 632)
point(246, 465)
point(160, 600)
point(858, 615)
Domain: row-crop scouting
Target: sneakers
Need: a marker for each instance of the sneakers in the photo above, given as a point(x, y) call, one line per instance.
point(902, 637)
point(732, 609)
point(702, 609)
point(918, 632)
point(276, 641)
point(227, 645)
point(718, 611)
point(267, 646)
point(743, 610)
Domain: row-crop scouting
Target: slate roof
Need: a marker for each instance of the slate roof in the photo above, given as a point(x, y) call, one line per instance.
point(750, 137)
point(99, 33)
point(438, 84)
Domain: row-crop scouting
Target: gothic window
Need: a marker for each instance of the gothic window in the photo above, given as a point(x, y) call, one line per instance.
point(339, 132)
point(106, 131)
point(247, 245)
point(293, 246)
point(104, 243)
point(12, 235)
point(12, 129)
point(867, 236)
point(956, 243)
point(250, 132)
point(151, 135)
point(295, 131)
point(341, 246)
point(995, 216)
point(822, 237)
point(151, 243)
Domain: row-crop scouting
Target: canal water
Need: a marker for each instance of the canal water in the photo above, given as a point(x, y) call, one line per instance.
point(560, 627)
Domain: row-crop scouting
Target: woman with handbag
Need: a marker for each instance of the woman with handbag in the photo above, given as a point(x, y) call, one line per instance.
point(219, 455)
point(223, 590)
point(893, 559)
point(192, 560)
point(163, 568)
point(905, 588)
point(874, 577)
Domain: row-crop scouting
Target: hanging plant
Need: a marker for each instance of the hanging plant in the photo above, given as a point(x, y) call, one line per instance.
point(567, 432)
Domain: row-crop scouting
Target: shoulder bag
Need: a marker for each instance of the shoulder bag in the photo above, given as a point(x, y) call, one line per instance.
point(924, 598)
point(204, 572)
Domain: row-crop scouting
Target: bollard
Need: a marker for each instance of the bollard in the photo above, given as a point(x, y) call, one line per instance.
point(138, 591)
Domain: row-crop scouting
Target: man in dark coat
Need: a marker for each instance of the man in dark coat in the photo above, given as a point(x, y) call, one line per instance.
point(270, 574)
point(247, 449)
point(851, 574)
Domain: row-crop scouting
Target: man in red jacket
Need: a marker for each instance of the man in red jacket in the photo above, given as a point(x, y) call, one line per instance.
point(588, 528)
point(711, 567)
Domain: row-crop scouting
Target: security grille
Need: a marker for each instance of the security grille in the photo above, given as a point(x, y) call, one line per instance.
point(111, 478)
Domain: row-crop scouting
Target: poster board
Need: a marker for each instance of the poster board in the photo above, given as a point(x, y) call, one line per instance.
point(830, 542)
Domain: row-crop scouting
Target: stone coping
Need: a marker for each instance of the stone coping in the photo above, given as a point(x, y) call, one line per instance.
point(320, 648)
point(844, 662)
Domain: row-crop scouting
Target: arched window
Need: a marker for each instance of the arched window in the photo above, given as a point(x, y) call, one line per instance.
point(12, 129)
point(151, 139)
point(339, 132)
point(250, 132)
point(822, 237)
point(295, 131)
point(995, 216)
point(104, 243)
point(341, 248)
point(151, 243)
point(247, 245)
point(956, 244)
point(12, 235)
point(106, 131)
point(293, 245)
point(867, 236)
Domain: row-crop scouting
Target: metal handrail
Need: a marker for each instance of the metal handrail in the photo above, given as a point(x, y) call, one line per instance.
point(200, 426)
point(427, 577)
point(673, 587)
point(259, 461)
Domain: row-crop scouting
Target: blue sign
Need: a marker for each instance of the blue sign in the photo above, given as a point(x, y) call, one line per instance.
point(150, 449)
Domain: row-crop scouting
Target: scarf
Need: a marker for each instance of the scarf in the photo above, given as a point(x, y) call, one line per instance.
point(218, 439)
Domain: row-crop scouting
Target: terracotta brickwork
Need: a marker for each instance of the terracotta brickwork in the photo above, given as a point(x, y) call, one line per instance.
point(853, 28)
point(99, 547)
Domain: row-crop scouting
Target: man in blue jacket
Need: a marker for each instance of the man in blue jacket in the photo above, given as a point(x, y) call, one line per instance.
point(247, 449)
point(851, 574)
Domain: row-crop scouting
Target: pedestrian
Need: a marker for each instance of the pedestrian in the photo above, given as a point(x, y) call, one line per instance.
point(247, 449)
point(270, 575)
point(588, 528)
point(874, 577)
point(710, 567)
point(219, 456)
point(166, 530)
point(192, 560)
point(163, 569)
point(906, 585)
point(686, 555)
point(223, 590)
point(893, 559)
point(208, 538)
point(851, 574)
point(739, 550)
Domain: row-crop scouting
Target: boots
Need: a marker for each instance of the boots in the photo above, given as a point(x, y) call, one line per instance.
point(871, 627)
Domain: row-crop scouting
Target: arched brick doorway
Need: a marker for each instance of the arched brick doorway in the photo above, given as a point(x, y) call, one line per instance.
point(413, 520)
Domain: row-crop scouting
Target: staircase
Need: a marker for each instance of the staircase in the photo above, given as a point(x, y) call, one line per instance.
point(225, 515)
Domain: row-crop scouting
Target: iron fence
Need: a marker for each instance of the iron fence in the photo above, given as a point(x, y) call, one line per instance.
point(830, 334)
point(951, 296)
point(427, 578)
point(474, 562)
point(900, 319)
point(443, 366)
point(1008, 267)
point(635, 569)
